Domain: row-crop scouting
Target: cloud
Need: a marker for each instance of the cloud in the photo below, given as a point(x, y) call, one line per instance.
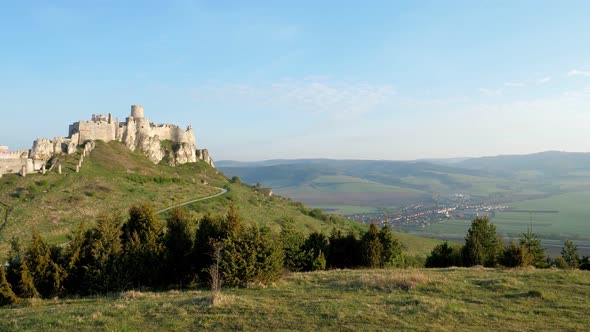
point(316, 96)
point(577, 72)
point(514, 84)
point(544, 80)
point(490, 92)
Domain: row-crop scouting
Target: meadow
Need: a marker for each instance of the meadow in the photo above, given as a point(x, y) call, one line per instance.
point(452, 299)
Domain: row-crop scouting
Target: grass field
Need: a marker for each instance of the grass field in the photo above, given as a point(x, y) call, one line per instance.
point(454, 299)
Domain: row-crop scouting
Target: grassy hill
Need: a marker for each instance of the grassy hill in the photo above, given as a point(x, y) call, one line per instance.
point(454, 299)
point(113, 178)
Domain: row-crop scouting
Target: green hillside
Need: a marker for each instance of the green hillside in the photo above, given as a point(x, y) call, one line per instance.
point(113, 178)
point(453, 299)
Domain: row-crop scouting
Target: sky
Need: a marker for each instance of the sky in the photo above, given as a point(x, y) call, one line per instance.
point(260, 80)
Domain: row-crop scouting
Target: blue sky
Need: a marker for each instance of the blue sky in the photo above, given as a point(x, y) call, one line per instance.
point(334, 79)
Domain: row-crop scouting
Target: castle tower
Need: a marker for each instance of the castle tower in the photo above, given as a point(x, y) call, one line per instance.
point(137, 111)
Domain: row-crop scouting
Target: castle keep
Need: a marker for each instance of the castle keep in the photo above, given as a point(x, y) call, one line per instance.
point(136, 132)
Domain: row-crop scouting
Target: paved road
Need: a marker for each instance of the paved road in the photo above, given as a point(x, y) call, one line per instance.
point(221, 192)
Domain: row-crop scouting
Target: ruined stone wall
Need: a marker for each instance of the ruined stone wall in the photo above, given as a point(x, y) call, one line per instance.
point(93, 131)
point(15, 154)
point(174, 134)
point(12, 166)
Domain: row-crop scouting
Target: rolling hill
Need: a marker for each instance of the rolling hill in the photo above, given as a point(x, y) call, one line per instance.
point(556, 181)
point(113, 178)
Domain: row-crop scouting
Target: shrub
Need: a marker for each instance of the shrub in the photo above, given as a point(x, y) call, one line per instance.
point(516, 255)
point(343, 250)
point(443, 255)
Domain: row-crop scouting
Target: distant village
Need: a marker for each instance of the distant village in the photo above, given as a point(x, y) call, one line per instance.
point(419, 215)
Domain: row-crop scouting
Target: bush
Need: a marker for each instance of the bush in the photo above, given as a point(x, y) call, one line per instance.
point(443, 255)
point(343, 250)
point(516, 255)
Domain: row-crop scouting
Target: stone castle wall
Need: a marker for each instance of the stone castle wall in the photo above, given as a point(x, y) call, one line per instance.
point(137, 133)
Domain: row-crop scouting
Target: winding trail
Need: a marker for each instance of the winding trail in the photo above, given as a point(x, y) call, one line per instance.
point(222, 191)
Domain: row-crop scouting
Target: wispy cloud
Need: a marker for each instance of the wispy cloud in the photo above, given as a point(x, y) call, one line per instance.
point(490, 92)
point(578, 72)
point(544, 80)
point(514, 84)
point(307, 95)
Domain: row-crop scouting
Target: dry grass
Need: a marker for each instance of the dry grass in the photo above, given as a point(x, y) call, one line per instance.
point(398, 279)
point(455, 299)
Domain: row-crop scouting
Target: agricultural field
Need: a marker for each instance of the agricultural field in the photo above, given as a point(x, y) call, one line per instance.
point(452, 299)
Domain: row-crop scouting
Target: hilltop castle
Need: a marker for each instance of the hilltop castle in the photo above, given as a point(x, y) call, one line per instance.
point(137, 133)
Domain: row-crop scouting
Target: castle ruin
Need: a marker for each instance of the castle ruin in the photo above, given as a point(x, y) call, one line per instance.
point(137, 133)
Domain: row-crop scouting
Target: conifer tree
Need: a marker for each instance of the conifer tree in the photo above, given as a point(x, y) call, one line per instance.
point(391, 254)
point(26, 285)
point(444, 255)
point(371, 248)
point(532, 244)
point(99, 264)
point(143, 248)
point(569, 253)
point(482, 244)
point(292, 242)
point(179, 243)
point(315, 246)
point(7, 296)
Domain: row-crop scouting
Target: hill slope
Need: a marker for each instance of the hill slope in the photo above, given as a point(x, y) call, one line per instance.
point(113, 178)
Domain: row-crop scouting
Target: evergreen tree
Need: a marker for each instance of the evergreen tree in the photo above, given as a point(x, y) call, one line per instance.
point(315, 246)
point(292, 242)
point(532, 243)
point(344, 250)
point(179, 243)
point(482, 244)
point(26, 285)
point(391, 254)
point(143, 248)
point(7, 296)
point(371, 248)
point(570, 254)
point(99, 266)
point(73, 254)
point(444, 255)
point(208, 233)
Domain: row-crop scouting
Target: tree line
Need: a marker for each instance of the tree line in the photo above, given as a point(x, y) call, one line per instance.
point(483, 246)
point(143, 252)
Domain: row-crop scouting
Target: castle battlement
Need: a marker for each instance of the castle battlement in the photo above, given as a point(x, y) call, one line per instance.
point(138, 133)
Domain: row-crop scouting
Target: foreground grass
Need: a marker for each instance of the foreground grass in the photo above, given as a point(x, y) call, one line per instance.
point(420, 299)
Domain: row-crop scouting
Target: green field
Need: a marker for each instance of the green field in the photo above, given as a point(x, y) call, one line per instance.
point(454, 299)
